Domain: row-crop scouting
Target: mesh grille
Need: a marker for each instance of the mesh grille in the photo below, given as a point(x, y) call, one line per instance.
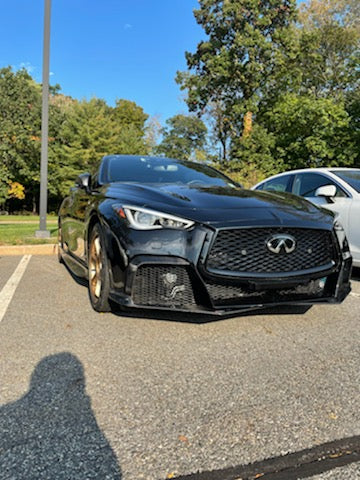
point(245, 250)
point(237, 295)
point(163, 286)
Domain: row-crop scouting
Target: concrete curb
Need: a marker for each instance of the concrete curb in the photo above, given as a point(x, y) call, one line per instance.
point(43, 249)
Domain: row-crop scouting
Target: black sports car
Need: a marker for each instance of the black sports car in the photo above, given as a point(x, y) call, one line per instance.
point(161, 233)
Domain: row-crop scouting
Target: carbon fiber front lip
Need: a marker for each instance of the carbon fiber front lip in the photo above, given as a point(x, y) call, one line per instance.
point(126, 302)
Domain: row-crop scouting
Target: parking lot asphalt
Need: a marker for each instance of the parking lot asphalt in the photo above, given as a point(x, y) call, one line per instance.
point(109, 396)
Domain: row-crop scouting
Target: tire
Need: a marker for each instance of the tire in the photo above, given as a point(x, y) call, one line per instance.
point(60, 243)
point(98, 271)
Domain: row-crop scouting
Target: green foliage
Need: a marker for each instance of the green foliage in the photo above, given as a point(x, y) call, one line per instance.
point(4, 185)
point(273, 84)
point(329, 59)
point(184, 137)
point(80, 133)
point(310, 132)
point(131, 119)
point(20, 107)
point(90, 130)
point(255, 149)
point(353, 110)
point(245, 51)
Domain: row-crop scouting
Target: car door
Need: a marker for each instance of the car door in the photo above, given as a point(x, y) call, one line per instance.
point(306, 183)
point(73, 225)
point(354, 230)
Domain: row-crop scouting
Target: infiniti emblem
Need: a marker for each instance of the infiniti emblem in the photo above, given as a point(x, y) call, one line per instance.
point(281, 243)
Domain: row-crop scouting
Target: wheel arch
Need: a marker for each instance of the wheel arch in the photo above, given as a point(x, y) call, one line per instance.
point(117, 258)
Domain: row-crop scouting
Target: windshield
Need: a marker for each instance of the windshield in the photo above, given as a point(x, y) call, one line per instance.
point(352, 177)
point(151, 170)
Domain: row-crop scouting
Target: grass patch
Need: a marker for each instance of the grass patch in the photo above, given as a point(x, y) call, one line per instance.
point(26, 218)
point(24, 234)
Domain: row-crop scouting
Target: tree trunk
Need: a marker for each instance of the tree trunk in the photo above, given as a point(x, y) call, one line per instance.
point(34, 204)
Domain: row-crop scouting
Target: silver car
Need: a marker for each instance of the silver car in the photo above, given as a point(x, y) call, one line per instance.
point(337, 189)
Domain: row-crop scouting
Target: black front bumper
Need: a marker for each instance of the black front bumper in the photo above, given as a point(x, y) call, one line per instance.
point(180, 278)
point(170, 283)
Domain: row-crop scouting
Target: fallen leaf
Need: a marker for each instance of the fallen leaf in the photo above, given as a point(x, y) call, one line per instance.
point(170, 475)
point(183, 439)
point(333, 416)
point(336, 455)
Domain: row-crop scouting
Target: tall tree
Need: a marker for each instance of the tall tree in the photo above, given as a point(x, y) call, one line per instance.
point(183, 137)
point(329, 47)
point(91, 130)
point(353, 109)
point(131, 118)
point(247, 44)
point(20, 125)
point(88, 133)
point(318, 13)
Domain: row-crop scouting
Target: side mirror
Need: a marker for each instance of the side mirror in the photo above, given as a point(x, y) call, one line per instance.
point(326, 191)
point(83, 181)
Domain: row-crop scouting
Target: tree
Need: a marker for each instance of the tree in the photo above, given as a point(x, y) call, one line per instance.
point(353, 110)
point(247, 46)
point(311, 132)
point(152, 133)
point(88, 133)
point(4, 185)
point(318, 13)
point(220, 128)
point(92, 129)
point(20, 125)
point(184, 137)
point(329, 57)
point(131, 118)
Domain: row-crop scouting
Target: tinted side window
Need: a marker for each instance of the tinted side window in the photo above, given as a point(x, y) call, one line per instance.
point(306, 184)
point(277, 184)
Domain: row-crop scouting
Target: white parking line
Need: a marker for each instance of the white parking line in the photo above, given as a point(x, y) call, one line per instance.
point(8, 290)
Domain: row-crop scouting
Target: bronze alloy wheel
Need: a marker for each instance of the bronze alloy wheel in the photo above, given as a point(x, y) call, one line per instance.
point(98, 271)
point(95, 267)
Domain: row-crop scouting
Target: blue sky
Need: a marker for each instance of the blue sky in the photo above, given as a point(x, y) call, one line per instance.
point(106, 48)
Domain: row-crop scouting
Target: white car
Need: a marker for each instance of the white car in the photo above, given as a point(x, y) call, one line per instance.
point(337, 189)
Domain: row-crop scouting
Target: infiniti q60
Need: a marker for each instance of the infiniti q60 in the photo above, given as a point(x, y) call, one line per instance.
point(160, 233)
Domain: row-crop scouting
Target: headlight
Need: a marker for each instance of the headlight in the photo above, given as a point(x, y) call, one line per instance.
point(145, 219)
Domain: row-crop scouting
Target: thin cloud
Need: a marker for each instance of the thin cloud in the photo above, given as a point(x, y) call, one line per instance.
point(26, 66)
point(127, 26)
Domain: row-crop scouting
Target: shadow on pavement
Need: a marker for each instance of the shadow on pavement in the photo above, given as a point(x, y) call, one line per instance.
point(51, 432)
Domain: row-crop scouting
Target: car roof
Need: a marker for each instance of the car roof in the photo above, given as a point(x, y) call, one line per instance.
point(315, 169)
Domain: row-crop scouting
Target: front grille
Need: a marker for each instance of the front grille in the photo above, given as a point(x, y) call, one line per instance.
point(222, 294)
point(245, 250)
point(163, 286)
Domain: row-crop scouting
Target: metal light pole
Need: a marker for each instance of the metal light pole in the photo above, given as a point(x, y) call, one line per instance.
point(42, 232)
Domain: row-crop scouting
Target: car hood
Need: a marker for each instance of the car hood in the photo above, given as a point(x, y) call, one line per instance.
point(223, 206)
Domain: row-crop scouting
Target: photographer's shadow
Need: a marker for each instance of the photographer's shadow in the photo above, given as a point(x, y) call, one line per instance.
point(51, 432)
